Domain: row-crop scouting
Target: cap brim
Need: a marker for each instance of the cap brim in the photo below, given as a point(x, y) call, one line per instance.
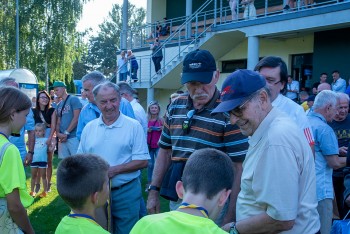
point(203, 77)
point(228, 105)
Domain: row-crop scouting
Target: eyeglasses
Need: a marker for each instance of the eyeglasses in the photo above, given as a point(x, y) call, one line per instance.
point(44, 97)
point(238, 111)
point(271, 82)
point(186, 125)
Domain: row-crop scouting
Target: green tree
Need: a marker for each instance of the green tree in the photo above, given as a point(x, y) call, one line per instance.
point(48, 37)
point(103, 47)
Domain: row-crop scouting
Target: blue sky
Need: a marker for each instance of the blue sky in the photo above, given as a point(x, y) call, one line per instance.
point(96, 11)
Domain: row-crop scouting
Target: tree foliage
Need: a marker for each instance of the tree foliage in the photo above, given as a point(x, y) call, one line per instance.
point(103, 47)
point(51, 46)
point(48, 37)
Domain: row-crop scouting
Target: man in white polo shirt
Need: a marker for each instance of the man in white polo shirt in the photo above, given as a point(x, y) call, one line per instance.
point(121, 141)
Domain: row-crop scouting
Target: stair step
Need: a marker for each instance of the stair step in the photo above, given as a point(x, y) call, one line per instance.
point(174, 63)
point(184, 53)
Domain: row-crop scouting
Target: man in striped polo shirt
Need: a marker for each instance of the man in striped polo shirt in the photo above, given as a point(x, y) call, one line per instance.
point(189, 126)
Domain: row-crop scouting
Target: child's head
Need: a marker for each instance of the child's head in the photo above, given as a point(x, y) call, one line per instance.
point(80, 177)
point(40, 130)
point(208, 171)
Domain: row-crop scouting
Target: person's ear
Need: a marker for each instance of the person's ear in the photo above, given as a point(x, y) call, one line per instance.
point(12, 116)
point(224, 196)
point(94, 198)
point(263, 99)
point(179, 189)
point(283, 85)
point(216, 76)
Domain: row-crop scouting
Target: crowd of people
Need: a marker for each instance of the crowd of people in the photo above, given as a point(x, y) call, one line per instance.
point(246, 159)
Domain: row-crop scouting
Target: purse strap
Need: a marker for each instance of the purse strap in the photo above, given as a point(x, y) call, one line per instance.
point(3, 150)
point(43, 119)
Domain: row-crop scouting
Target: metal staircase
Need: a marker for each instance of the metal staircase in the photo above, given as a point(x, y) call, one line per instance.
point(187, 37)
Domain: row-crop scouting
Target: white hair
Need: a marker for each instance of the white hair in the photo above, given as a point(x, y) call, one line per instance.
point(343, 96)
point(325, 98)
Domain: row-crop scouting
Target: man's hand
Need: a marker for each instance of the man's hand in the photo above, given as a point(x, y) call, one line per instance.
point(153, 204)
point(112, 171)
point(62, 137)
point(343, 150)
point(226, 227)
point(28, 159)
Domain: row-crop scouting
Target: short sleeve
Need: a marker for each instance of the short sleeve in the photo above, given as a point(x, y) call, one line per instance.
point(76, 104)
point(29, 126)
point(328, 142)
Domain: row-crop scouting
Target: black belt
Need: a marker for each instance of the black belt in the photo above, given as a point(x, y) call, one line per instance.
point(121, 186)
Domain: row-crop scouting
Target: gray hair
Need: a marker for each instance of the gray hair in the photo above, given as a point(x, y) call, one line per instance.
point(343, 96)
point(126, 88)
point(95, 77)
point(107, 84)
point(325, 98)
point(7, 80)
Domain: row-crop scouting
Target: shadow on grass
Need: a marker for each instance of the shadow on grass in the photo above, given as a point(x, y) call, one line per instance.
point(46, 218)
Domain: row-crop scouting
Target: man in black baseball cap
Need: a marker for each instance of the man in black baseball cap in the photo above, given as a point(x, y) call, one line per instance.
point(198, 66)
point(278, 159)
point(191, 126)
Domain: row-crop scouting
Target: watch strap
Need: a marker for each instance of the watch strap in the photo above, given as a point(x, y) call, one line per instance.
point(152, 187)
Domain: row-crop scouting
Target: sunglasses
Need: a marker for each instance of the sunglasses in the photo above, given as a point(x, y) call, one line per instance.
point(186, 125)
point(153, 103)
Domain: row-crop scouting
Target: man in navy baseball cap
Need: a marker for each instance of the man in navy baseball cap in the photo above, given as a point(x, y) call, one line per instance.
point(277, 152)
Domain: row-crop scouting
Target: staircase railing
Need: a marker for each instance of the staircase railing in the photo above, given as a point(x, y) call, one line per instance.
point(185, 35)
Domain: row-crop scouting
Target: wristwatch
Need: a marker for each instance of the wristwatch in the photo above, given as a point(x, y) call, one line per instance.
point(66, 132)
point(152, 187)
point(233, 229)
point(31, 152)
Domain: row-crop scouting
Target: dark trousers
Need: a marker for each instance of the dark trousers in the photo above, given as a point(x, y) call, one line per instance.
point(134, 74)
point(338, 185)
point(156, 61)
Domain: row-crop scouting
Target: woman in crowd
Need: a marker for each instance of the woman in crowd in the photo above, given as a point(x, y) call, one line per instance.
point(155, 125)
point(44, 113)
point(14, 107)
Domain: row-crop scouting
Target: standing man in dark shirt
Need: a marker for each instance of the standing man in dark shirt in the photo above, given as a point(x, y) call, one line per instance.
point(341, 127)
point(189, 126)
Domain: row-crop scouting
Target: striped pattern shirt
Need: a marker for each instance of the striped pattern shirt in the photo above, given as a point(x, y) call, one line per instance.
point(205, 131)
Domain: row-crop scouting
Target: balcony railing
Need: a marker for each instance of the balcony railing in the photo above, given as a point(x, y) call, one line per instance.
point(185, 36)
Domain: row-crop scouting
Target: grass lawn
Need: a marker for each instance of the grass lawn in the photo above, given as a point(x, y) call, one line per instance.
point(46, 213)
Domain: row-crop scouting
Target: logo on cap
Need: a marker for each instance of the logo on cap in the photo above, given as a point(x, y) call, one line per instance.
point(227, 90)
point(195, 65)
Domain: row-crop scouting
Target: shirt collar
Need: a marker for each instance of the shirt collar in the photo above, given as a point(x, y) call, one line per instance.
point(318, 115)
point(117, 124)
